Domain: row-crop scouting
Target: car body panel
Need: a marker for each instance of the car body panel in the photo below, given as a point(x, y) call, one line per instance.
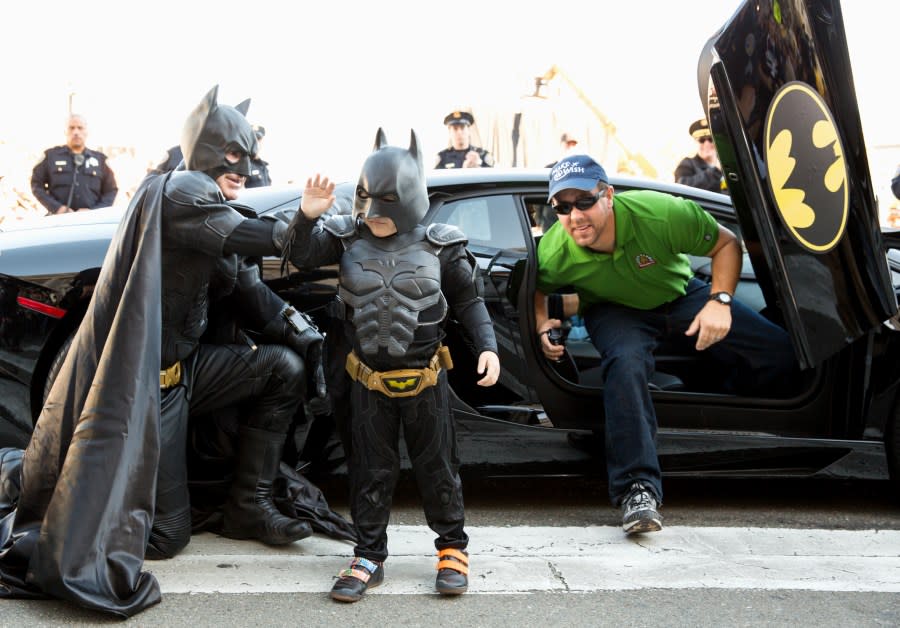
point(505, 427)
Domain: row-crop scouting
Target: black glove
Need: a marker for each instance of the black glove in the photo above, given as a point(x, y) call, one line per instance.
point(297, 330)
point(287, 241)
point(314, 363)
point(280, 235)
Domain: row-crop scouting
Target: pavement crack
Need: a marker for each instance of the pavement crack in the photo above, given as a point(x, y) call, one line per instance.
point(558, 575)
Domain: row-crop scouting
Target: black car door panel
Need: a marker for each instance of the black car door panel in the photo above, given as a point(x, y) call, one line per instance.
point(498, 236)
point(786, 125)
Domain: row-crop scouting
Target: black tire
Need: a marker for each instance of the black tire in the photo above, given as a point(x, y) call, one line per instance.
point(56, 365)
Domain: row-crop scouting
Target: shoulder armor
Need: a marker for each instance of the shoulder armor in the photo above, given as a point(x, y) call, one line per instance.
point(445, 235)
point(248, 212)
point(342, 225)
point(187, 186)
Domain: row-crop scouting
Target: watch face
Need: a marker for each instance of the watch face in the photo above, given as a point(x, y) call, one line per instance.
point(722, 297)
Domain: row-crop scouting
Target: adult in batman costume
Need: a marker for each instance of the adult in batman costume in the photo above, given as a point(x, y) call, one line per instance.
point(398, 279)
point(103, 478)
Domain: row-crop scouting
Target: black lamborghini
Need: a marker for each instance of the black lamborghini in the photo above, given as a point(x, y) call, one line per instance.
point(779, 95)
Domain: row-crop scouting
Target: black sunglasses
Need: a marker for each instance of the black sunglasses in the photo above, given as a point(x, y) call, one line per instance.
point(706, 138)
point(583, 204)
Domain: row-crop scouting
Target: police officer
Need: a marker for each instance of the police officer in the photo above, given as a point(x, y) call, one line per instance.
point(702, 170)
point(461, 154)
point(259, 168)
point(73, 177)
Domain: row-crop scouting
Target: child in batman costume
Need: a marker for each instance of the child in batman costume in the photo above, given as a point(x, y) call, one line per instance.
point(397, 281)
point(104, 475)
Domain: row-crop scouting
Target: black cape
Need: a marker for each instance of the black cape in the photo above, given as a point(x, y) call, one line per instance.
point(88, 482)
point(77, 508)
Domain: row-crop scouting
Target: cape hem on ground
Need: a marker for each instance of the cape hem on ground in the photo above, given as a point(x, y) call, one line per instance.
point(85, 511)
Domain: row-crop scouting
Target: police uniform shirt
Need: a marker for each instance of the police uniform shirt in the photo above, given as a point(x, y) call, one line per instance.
point(454, 158)
point(695, 172)
point(259, 174)
point(91, 184)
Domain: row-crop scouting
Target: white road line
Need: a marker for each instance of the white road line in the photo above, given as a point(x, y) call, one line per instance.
point(529, 559)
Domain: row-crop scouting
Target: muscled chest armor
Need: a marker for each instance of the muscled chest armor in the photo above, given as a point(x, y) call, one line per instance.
point(185, 295)
point(392, 292)
point(195, 225)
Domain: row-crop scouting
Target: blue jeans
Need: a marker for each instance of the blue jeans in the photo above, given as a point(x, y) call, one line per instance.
point(756, 356)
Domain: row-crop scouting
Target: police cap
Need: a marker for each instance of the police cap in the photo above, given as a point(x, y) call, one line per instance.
point(459, 117)
point(700, 129)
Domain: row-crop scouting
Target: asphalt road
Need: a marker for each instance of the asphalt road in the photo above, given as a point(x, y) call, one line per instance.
point(791, 503)
point(866, 507)
point(645, 608)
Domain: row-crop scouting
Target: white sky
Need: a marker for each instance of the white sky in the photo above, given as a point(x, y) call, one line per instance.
point(324, 76)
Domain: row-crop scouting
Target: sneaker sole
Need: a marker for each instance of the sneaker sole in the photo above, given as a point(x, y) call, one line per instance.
point(453, 591)
point(642, 525)
point(346, 597)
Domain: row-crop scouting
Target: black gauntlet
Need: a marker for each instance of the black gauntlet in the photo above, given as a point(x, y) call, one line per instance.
point(297, 330)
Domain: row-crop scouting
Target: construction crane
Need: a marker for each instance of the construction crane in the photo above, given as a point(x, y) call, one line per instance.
point(636, 158)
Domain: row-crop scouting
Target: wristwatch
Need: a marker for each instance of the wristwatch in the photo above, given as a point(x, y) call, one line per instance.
point(721, 297)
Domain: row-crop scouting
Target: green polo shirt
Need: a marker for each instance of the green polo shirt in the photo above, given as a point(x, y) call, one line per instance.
point(654, 232)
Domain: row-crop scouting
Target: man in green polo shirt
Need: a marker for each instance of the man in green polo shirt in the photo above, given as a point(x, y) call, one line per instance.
point(625, 255)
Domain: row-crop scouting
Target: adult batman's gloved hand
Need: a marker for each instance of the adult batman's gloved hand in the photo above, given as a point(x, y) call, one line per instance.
point(297, 330)
point(316, 367)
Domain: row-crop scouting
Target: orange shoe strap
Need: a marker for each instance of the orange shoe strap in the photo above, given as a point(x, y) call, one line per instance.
point(452, 558)
point(454, 565)
point(451, 552)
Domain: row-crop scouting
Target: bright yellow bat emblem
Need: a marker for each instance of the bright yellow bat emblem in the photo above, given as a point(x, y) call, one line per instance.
point(402, 384)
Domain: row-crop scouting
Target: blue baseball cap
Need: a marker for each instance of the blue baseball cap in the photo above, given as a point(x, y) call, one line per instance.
point(580, 172)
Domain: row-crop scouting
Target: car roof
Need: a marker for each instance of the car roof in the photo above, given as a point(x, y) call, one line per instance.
point(511, 177)
point(99, 216)
point(264, 199)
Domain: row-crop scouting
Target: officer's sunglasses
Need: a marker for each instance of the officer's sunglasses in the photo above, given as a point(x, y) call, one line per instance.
point(582, 204)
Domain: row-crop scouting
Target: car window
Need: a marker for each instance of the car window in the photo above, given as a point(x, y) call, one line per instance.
point(489, 221)
point(541, 214)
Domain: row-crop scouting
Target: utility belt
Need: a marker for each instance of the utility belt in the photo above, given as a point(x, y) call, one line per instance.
point(400, 382)
point(170, 376)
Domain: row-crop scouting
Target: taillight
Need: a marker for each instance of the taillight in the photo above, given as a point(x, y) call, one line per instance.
point(43, 308)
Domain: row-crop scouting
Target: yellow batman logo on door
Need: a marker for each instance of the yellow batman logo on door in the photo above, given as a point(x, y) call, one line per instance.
point(807, 172)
